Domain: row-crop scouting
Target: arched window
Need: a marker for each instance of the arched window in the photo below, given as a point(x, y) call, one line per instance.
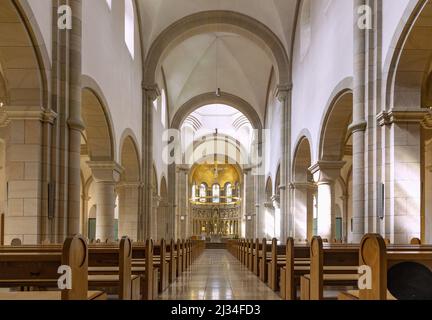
point(130, 27)
point(228, 192)
point(216, 193)
point(203, 192)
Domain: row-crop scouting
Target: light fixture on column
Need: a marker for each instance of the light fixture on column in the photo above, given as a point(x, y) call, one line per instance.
point(1, 104)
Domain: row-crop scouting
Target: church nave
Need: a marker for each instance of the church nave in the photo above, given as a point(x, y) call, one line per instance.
point(217, 275)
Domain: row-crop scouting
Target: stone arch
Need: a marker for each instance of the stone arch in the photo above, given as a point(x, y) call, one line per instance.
point(221, 21)
point(154, 181)
point(98, 122)
point(277, 183)
point(129, 187)
point(303, 191)
point(210, 98)
point(24, 59)
point(408, 61)
point(129, 158)
point(334, 127)
point(302, 161)
point(269, 189)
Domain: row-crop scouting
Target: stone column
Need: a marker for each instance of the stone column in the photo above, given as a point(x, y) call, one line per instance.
point(84, 223)
point(303, 210)
point(150, 93)
point(156, 202)
point(283, 94)
point(249, 201)
point(75, 123)
point(25, 218)
point(106, 175)
point(404, 178)
point(358, 127)
point(182, 213)
point(325, 174)
point(128, 193)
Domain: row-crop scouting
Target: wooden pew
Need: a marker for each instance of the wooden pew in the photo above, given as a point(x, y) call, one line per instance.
point(173, 262)
point(160, 251)
point(2, 229)
point(256, 255)
point(108, 266)
point(275, 264)
point(375, 254)
point(263, 266)
point(415, 241)
point(297, 257)
point(43, 267)
point(342, 269)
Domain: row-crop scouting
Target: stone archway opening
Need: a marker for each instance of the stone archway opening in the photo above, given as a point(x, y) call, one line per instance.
point(335, 160)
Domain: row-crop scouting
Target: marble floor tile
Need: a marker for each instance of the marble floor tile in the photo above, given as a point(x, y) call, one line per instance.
point(217, 275)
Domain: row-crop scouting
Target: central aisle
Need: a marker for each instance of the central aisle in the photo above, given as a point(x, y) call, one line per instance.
point(217, 275)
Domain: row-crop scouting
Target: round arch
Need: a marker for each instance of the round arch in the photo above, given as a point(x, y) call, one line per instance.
point(129, 159)
point(29, 45)
point(302, 161)
point(221, 21)
point(334, 127)
point(210, 98)
point(405, 79)
point(98, 122)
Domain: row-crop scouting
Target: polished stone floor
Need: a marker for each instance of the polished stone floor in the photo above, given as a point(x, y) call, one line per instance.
point(217, 275)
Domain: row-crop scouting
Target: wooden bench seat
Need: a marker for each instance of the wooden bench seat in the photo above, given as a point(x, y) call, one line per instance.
point(355, 294)
point(382, 259)
point(35, 268)
point(45, 296)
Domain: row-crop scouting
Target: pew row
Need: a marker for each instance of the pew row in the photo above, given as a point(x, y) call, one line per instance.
point(385, 262)
point(74, 254)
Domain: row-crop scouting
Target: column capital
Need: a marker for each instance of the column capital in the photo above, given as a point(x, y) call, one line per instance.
point(152, 90)
point(417, 115)
point(128, 184)
point(303, 186)
point(358, 127)
point(282, 91)
point(183, 168)
point(427, 122)
point(106, 171)
point(326, 171)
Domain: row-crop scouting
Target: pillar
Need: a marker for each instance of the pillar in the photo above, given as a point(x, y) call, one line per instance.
point(283, 94)
point(25, 216)
point(249, 199)
point(106, 175)
point(150, 93)
point(128, 193)
point(358, 127)
point(403, 192)
point(84, 214)
point(303, 210)
point(325, 174)
point(182, 207)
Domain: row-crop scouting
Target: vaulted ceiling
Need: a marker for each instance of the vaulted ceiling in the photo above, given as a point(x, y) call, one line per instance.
point(214, 59)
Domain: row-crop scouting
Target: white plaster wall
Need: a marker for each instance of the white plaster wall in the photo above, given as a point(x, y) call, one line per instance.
point(42, 10)
point(272, 125)
point(327, 62)
point(393, 11)
point(107, 60)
